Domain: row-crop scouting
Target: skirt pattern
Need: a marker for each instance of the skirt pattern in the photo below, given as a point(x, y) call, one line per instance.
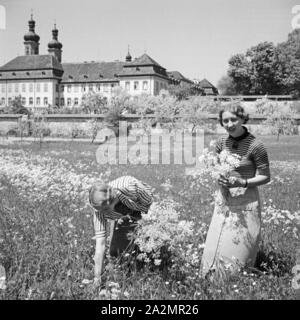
point(234, 233)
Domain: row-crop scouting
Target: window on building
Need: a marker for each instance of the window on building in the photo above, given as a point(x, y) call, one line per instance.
point(9, 87)
point(90, 87)
point(145, 85)
point(9, 101)
point(83, 88)
point(45, 87)
point(56, 101)
point(69, 102)
point(98, 87)
point(76, 101)
point(105, 88)
point(76, 89)
point(136, 85)
point(30, 87)
point(45, 101)
point(127, 85)
point(62, 101)
point(38, 101)
point(69, 88)
point(27, 51)
point(16, 87)
point(31, 101)
point(3, 101)
point(38, 87)
point(23, 87)
point(156, 89)
point(56, 87)
point(3, 88)
point(62, 88)
point(23, 101)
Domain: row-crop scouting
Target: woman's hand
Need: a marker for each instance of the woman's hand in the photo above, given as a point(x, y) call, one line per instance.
point(231, 182)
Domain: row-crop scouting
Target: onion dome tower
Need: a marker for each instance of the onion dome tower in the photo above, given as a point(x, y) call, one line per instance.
point(128, 57)
point(54, 46)
point(31, 39)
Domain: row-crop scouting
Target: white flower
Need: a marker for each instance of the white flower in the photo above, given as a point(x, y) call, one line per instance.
point(86, 281)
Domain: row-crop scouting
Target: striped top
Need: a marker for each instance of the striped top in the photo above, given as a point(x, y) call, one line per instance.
point(254, 156)
point(134, 194)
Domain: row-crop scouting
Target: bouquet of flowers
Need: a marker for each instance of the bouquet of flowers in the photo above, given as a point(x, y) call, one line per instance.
point(214, 165)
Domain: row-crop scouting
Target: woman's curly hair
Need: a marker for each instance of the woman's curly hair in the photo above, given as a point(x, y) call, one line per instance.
point(235, 108)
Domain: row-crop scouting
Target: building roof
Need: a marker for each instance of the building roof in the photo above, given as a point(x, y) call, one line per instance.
point(32, 62)
point(143, 60)
point(91, 71)
point(178, 76)
point(204, 83)
point(143, 66)
point(141, 71)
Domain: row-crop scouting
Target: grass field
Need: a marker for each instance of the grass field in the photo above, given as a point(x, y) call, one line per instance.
point(46, 233)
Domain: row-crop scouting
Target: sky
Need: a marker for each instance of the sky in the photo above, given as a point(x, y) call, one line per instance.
point(194, 37)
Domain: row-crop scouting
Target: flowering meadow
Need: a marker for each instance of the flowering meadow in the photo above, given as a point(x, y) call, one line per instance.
point(47, 241)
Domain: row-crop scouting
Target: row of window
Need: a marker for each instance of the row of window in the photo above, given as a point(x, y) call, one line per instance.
point(85, 88)
point(24, 101)
point(136, 85)
point(21, 87)
point(45, 101)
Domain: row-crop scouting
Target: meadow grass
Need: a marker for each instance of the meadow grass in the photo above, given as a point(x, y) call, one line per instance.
point(46, 238)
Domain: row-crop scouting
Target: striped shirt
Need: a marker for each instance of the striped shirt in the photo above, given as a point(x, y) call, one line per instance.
point(254, 156)
point(134, 194)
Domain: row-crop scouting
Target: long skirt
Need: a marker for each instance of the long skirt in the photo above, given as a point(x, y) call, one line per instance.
point(234, 233)
point(119, 233)
point(120, 238)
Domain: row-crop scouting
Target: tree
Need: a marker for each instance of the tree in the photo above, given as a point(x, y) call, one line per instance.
point(17, 107)
point(167, 108)
point(226, 86)
point(288, 64)
point(94, 103)
point(279, 118)
point(262, 61)
point(240, 73)
point(183, 90)
point(267, 69)
point(116, 108)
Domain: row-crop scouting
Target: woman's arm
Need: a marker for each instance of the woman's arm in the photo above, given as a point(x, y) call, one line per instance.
point(100, 235)
point(256, 181)
point(99, 257)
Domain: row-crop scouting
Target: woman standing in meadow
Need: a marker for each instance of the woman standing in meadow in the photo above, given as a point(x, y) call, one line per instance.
point(121, 201)
point(234, 233)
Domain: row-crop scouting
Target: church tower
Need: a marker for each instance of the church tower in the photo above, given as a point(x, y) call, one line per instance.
point(128, 57)
point(31, 39)
point(54, 46)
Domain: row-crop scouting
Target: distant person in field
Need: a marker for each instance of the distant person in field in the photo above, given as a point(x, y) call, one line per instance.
point(234, 232)
point(121, 201)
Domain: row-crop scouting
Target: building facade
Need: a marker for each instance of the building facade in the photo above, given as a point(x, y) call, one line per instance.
point(43, 80)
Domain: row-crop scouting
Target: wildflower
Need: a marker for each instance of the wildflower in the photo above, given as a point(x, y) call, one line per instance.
point(86, 281)
point(103, 292)
point(157, 262)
